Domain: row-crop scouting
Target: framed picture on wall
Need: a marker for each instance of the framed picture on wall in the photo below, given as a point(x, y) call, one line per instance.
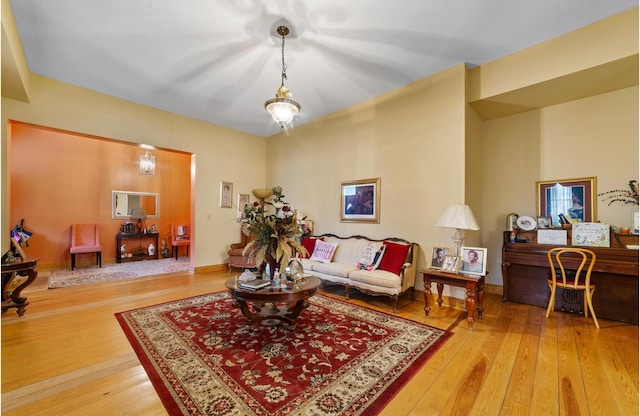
point(573, 198)
point(226, 190)
point(243, 200)
point(474, 261)
point(360, 201)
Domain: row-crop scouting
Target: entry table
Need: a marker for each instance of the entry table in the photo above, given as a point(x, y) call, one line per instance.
point(473, 284)
point(139, 236)
point(12, 298)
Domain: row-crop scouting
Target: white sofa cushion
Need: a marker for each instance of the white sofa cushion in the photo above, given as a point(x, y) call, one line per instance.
point(380, 278)
point(307, 264)
point(336, 269)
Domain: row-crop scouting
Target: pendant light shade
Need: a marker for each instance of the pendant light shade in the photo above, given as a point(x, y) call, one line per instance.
point(283, 108)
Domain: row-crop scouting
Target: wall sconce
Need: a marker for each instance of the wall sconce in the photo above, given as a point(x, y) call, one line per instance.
point(147, 164)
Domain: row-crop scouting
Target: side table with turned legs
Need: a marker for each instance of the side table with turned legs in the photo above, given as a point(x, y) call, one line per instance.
point(473, 284)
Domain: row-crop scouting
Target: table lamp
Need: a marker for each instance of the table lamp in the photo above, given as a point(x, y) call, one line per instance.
point(461, 218)
point(138, 214)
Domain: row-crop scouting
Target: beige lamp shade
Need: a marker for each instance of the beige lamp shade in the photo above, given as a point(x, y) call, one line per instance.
point(461, 218)
point(261, 194)
point(458, 216)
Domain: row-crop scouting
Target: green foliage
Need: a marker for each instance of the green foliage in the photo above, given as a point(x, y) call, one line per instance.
point(272, 223)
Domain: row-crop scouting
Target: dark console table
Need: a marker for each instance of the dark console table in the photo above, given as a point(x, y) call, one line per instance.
point(525, 268)
point(153, 237)
point(12, 298)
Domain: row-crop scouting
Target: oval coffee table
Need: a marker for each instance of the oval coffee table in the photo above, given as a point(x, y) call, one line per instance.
point(292, 300)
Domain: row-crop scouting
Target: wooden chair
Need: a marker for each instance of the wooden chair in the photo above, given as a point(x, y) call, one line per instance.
point(85, 238)
point(576, 258)
point(180, 237)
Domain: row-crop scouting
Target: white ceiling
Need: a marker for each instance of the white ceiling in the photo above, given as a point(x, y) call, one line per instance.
point(219, 60)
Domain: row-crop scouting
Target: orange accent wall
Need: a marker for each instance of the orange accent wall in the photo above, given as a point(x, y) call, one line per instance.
point(59, 178)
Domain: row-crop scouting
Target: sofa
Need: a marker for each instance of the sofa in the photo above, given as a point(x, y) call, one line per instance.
point(392, 275)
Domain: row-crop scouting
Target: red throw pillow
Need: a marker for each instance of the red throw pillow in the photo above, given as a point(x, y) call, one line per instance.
point(394, 256)
point(309, 243)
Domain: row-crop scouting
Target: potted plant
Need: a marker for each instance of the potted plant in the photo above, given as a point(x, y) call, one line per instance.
point(273, 225)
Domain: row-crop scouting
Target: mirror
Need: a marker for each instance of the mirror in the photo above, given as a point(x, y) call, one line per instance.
point(122, 202)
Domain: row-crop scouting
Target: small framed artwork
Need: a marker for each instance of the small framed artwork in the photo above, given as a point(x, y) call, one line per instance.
point(474, 261)
point(571, 198)
point(438, 255)
point(544, 222)
point(360, 201)
point(243, 200)
point(226, 190)
point(511, 221)
point(451, 264)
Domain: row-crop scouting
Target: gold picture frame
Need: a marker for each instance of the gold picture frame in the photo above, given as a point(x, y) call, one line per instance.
point(572, 198)
point(360, 201)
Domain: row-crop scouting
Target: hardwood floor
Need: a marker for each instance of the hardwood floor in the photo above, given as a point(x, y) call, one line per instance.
point(68, 356)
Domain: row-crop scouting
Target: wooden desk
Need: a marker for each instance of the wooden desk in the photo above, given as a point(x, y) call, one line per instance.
point(473, 284)
point(11, 298)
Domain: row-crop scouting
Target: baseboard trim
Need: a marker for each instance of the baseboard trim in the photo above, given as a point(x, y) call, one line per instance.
point(493, 289)
point(211, 268)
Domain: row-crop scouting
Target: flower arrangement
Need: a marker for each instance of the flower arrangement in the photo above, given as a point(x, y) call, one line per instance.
point(624, 196)
point(273, 225)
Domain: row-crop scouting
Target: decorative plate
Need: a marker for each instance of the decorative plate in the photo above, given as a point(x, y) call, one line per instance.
point(526, 223)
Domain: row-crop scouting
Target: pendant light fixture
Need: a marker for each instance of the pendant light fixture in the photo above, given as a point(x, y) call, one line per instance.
point(283, 108)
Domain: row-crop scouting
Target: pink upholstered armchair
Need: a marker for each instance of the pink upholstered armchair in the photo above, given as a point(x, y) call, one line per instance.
point(85, 238)
point(236, 258)
point(180, 237)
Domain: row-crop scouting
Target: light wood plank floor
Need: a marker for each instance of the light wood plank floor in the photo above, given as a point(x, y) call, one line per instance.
point(68, 356)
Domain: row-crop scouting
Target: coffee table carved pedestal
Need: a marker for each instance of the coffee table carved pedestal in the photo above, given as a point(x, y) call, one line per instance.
point(284, 304)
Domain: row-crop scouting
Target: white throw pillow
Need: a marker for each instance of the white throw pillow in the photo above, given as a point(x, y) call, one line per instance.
point(323, 252)
point(371, 256)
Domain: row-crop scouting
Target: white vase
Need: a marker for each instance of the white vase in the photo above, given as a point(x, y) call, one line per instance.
point(636, 223)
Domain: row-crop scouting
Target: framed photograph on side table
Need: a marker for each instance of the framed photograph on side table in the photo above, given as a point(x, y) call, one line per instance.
point(437, 256)
point(474, 261)
point(451, 264)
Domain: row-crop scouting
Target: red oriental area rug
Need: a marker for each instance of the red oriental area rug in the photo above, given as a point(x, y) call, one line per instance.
point(203, 358)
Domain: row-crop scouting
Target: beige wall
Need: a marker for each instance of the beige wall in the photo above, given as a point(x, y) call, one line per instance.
point(412, 138)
